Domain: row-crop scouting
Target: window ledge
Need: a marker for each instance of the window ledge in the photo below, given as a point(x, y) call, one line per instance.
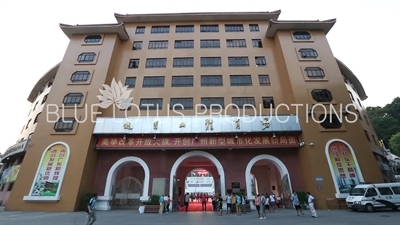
point(42, 198)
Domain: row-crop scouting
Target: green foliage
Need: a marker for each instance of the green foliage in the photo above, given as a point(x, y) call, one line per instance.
point(394, 143)
point(302, 197)
point(85, 200)
point(153, 200)
point(386, 120)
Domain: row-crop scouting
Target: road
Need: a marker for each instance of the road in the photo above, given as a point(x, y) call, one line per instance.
point(121, 217)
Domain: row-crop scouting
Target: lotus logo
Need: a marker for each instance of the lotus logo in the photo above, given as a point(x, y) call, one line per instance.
point(116, 94)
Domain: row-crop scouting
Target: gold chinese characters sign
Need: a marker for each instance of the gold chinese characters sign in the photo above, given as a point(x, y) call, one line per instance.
point(220, 141)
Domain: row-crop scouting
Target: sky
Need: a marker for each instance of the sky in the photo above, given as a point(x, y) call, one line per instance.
point(365, 38)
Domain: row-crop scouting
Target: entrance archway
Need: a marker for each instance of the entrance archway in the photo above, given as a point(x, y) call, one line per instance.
point(104, 201)
point(190, 154)
point(283, 172)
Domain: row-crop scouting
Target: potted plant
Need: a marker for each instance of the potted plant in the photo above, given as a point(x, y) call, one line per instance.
point(150, 206)
point(85, 200)
point(302, 199)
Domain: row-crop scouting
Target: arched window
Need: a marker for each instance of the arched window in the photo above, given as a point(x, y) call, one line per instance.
point(302, 35)
point(93, 39)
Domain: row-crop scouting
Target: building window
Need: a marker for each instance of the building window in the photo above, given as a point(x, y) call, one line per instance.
point(181, 103)
point(268, 102)
point(133, 63)
point(367, 136)
point(182, 81)
point(209, 44)
point(254, 28)
point(358, 114)
point(150, 82)
point(158, 44)
point(66, 124)
point(124, 108)
point(216, 103)
point(35, 106)
point(183, 62)
point(156, 63)
point(51, 81)
point(140, 30)
point(86, 57)
point(359, 102)
point(257, 43)
point(137, 45)
point(234, 28)
point(93, 39)
point(241, 80)
point(151, 103)
point(73, 99)
point(130, 82)
point(373, 138)
point(27, 124)
point(238, 61)
point(329, 121)
point(244, 102)
point(184, 29)
point(211, 80)
point(261, 61)
point(184, 44)
point(236, 43)
point(45, 99)
point(366, 120)
point(210, 61)
point(80, 76)
point(10, 186)
point(264, 80)
point(36, 118)
point(314, 73)
point(321, 95)
point(302, 35)
point(159, 29)
point(209, 28)
point(308, 53)
point(351, 95)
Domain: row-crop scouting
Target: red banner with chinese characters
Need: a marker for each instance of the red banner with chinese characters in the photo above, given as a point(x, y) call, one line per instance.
point(215, 141)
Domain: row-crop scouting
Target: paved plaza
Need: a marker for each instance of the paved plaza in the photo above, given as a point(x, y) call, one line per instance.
point(122, 217)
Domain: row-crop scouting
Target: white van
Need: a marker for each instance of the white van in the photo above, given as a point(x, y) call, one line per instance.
point(371, 196)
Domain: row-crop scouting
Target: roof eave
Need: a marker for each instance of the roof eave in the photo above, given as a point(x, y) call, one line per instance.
point(42, 81)
point(275, 25)
point(353, 79)
point(185, 17)
point(117, 28)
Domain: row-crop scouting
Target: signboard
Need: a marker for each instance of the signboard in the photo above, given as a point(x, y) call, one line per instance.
point(215, 141)
point(50, 173)
point(343, 167)
point(14, 149)
point(10, 174)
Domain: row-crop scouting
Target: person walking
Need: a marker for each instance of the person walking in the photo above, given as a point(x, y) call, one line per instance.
point(257, 202)
point(168, 203)
point(186, 200)
point(91, 216)
point(311, 199)
point(220, 204)
point(161, 201)
point(296, 203)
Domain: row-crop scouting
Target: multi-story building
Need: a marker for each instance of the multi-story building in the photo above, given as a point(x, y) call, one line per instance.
point(13, 157)
point(160, 76)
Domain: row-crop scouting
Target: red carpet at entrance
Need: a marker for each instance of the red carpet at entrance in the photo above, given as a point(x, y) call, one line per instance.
point(196, 207)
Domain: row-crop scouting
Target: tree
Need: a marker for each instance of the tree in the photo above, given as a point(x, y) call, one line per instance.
point(394, 143)
point(386, 120)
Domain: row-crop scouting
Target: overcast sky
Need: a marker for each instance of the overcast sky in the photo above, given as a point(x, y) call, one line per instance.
point(365, 37)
